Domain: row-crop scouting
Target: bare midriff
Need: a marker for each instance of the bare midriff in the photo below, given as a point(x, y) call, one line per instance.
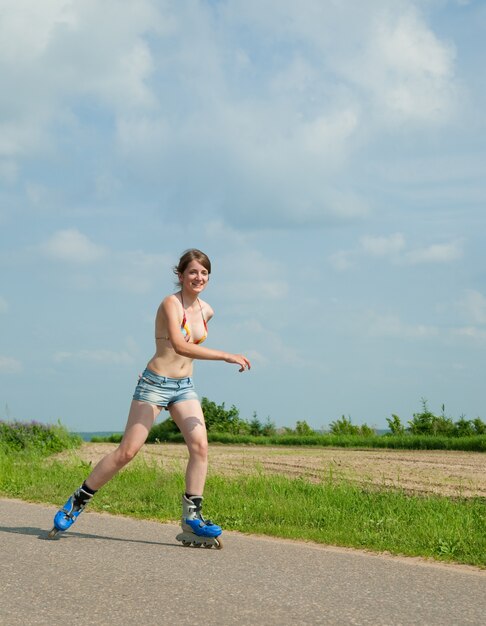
point(166, 361)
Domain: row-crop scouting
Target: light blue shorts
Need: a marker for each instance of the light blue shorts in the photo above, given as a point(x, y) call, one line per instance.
point(163, 391)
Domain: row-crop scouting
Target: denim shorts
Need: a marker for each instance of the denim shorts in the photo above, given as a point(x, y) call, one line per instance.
point(163, 391)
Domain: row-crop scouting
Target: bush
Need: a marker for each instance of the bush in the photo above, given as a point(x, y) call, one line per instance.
point(395, 425)
point(344, 426)
point(463, 428)
point(256, 428)
point(219, 419)
point(33, 436)
point(113, 438)
point(425, 431)
point(426, 423)
point(269, 429)
point(163, 431)
point(302, 428)
point(479, 426)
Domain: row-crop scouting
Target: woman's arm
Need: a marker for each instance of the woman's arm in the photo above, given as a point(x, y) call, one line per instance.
point(194, 351)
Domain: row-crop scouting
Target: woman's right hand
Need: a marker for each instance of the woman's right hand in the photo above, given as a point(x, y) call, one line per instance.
point(239, 359)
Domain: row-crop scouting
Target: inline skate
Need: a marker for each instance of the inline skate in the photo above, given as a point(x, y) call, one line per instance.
point(70, 512)
point(197, 531)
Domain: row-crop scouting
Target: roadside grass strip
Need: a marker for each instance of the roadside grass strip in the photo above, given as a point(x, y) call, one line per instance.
point(330, 512)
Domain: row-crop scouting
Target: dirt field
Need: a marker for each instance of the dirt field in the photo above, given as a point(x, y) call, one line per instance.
point(418, 471)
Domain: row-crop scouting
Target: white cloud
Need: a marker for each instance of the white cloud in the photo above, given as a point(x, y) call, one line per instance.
point(419, 69)
point(10, 365)
point(474, 305)
point(129, 271)
point(36, 193)
point(98, 356)
point(394, 247)
point(383, 246)
point(324, 131)
point(73, 247)
point(385, 51)
point(57, 50)
point(436, 253)
point(271, 346)
point(390, 325)
point(342, 260)
point(8, 171)
point(107, 185)
point(258, 290)
point(262, 139)
point(471, 332)
point(143, 135)
point(404, 67)
point(297, 76)
point(254, 356)
point(280, 135)
point(248, 159)
point(101, 356)
point(136, 272)
point(245, 273)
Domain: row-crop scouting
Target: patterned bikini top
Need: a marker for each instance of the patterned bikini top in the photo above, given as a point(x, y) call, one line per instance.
point(185, 330)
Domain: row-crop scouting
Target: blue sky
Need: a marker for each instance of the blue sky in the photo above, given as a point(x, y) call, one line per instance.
point(328, 157)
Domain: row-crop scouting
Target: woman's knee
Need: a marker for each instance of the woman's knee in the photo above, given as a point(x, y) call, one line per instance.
point(199, 449)
point(125, 454)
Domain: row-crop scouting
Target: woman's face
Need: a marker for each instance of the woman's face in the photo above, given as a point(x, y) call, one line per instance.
point(194, 278)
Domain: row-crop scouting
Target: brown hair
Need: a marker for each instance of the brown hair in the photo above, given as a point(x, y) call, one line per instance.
point(192, 255)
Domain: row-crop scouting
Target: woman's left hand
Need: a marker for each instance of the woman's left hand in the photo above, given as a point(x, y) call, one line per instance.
point(240, 360)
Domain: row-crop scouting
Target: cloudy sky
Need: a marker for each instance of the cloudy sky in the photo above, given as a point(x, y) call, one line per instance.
point(328, 156)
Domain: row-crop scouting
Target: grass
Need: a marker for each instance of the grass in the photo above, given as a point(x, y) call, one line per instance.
point(330, 512)
point(35, 437)
point(474, 443)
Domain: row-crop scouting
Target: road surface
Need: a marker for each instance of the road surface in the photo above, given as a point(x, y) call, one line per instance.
point(116, 570)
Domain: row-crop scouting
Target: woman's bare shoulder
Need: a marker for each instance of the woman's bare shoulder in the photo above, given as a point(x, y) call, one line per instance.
point(169, 303)
point(207, 309)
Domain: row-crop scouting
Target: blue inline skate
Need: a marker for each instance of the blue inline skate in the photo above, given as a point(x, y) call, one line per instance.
point(197, 531)
point(69, 513)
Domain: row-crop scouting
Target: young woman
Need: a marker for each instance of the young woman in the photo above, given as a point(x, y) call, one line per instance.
point(166, 383)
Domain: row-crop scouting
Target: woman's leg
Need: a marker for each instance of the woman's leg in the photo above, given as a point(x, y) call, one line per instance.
point(140, 420)
point(189, 418)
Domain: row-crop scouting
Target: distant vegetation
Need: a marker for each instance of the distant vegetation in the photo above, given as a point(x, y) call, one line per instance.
point(424, 431)
point(34, 437)
point(426, 423)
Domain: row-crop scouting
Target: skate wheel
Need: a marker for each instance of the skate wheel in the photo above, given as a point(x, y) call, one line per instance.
point(53, 532)
point(218, 544)
point(186, 544)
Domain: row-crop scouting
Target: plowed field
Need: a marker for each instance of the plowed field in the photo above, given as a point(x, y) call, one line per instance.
point(415, 471)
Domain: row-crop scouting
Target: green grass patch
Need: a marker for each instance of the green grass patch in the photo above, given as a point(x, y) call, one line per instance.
point(35, 438)
point(475, 443)
point(331, 512)
point(113, 438)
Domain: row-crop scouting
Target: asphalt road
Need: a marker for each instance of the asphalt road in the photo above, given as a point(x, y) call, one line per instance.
point(116, 570)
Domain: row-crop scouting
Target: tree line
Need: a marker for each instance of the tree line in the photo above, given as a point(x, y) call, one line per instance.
point(219, 419)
